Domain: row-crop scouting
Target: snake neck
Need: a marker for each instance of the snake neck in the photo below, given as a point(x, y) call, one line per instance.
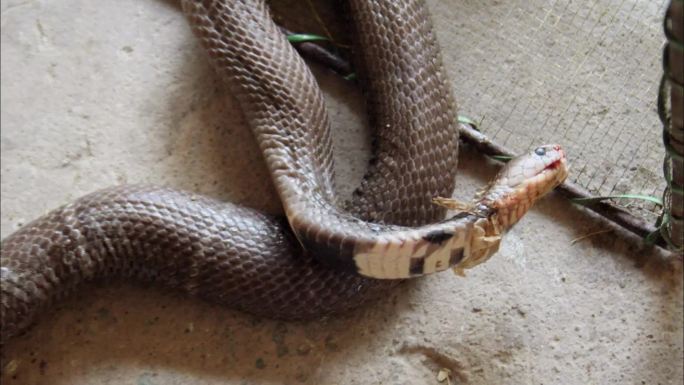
point(388, 251)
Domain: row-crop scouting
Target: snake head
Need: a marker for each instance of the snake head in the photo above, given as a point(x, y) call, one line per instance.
point(523, 181)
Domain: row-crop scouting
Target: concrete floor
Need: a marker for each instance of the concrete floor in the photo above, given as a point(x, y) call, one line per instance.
point(120, 93)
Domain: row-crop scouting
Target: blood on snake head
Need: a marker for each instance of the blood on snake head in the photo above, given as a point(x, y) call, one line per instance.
point(523, 181)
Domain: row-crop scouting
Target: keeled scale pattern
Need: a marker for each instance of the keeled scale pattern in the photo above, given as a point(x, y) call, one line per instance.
point(412, 110)
point(225, 253)
point(234, 255)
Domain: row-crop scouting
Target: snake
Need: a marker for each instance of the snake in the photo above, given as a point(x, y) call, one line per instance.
point(324, 256)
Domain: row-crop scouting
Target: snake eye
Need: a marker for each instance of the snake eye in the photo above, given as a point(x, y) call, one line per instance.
point(541, 151)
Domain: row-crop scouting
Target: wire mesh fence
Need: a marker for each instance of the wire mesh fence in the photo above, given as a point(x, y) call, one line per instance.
point(584, 74)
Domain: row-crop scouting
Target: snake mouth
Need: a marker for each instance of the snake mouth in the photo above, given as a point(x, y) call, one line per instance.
point(554, 165)
point(559, 162)
point(557, 170)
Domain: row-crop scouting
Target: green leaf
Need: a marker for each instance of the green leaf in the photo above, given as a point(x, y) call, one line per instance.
point(623, 196)
point(652, 238)
point(466, 120)
point(501, 158)
point(305, 38)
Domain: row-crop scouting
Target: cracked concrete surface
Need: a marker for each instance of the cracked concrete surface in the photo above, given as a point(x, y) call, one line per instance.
point(119, 92)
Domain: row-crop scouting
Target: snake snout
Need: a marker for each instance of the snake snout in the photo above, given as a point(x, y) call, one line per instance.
point(534, 169)
point(545, 167)
point(553, 163)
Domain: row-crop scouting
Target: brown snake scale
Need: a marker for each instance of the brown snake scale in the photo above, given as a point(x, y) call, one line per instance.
point(238, 256)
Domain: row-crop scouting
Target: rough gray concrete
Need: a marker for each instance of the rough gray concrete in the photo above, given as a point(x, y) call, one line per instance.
point(119, 92)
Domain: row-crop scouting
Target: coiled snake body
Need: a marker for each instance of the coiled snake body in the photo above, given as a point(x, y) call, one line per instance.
point(254, 262)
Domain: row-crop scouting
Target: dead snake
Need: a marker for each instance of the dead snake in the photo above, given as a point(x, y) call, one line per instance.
point(320, 262)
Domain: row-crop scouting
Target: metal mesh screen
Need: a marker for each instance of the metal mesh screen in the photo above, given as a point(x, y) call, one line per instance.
point(583, 74)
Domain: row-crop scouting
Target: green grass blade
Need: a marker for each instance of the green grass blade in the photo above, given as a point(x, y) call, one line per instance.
point(466, 120)
point(305, 38)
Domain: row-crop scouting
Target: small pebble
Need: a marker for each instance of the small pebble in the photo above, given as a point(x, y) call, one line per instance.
point(12, 367)
point(260, 364)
